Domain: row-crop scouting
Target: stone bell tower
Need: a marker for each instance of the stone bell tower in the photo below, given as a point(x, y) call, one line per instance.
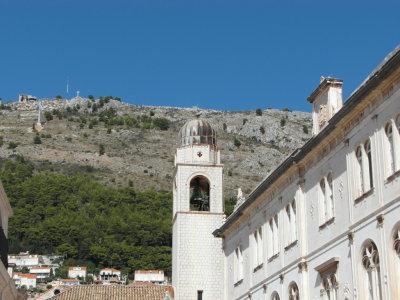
point(197, 256)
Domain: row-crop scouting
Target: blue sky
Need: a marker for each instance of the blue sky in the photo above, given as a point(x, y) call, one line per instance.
point(227, 55)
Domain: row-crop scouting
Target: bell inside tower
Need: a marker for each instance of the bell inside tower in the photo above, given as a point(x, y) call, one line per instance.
point(199, 194)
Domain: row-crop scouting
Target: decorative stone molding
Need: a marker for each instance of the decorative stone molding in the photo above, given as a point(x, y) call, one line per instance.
point(303, 266)
point(265, 288)
point(301, 182)
point(380, 218)
point(249, 295)
point(328, 267)
point(350, 236)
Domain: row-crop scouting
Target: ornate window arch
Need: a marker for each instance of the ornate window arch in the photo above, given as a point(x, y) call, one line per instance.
point(294, 292)
point(330, 287)
point(396, 241)
point(275, 296)
point(371, 266)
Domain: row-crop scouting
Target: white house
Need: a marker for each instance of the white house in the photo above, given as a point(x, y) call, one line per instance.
point(75, 272)
point(27, 280)
point(41, 272)
point(25, 260)
point(325, 224)
point(110, 274)
point(155, 276)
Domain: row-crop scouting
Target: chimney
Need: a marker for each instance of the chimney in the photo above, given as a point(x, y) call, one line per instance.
point(326, 101)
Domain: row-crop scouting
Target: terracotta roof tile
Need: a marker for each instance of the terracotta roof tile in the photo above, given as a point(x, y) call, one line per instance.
point(80, 268)
point(113, 292)
point(27, 275)
point(149, 271)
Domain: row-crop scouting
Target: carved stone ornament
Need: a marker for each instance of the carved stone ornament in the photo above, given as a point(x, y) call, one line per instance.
point(323, 115)
point(240, 199)
point(265, 288)
point(380, 219)
point(302, 266)
point(350, 236)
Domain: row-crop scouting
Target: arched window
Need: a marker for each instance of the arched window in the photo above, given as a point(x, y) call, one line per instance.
point(396, 247)
point(257, 248)
point(329, 197)
point(290, 224)
point(330, 287)
point(322, 202)
point(398, 123)
point(367, 148)
point(199, 194)
point(238, 265)
point(275, 296)
point(390, 149)
point(293, 292)
point(396, 240)
point(360, 171)
point(372, 281)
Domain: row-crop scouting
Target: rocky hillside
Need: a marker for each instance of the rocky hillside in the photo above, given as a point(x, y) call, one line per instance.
point(122, 144)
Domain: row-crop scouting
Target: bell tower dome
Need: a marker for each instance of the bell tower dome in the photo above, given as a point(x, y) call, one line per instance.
point(197, 257)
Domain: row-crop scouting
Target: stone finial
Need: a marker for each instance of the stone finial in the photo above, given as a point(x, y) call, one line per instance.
point(240, 199)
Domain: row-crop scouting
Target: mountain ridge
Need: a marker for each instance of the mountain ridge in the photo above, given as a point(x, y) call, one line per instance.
point(137, 151)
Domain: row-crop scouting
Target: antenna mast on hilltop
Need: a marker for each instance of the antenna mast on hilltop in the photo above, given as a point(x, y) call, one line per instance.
point(67, 85)
point(38, 126)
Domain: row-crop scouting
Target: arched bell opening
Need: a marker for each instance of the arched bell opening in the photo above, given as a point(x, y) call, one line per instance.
point(199, 194)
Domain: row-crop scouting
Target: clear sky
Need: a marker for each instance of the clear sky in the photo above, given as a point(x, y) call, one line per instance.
point(227, 55)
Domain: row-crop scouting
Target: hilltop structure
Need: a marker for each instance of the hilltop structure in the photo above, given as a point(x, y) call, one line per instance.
point(325, 224)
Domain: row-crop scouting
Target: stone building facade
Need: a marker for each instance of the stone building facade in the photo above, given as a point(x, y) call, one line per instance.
point(326, 223)
point(7, 286)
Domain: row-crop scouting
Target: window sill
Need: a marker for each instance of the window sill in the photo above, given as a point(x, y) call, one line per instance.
point(365, 195)
point(327, 223)
point(273, 257)
point(238, 283)
point(258, 268)
point(292, 244)
point(393, 176)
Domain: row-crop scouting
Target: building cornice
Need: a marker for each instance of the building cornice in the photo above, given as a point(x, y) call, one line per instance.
point(195, 213)
point(383, 76)
point(327, 81)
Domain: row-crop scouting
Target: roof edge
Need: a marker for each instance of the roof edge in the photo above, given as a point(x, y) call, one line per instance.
point(384, 69)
